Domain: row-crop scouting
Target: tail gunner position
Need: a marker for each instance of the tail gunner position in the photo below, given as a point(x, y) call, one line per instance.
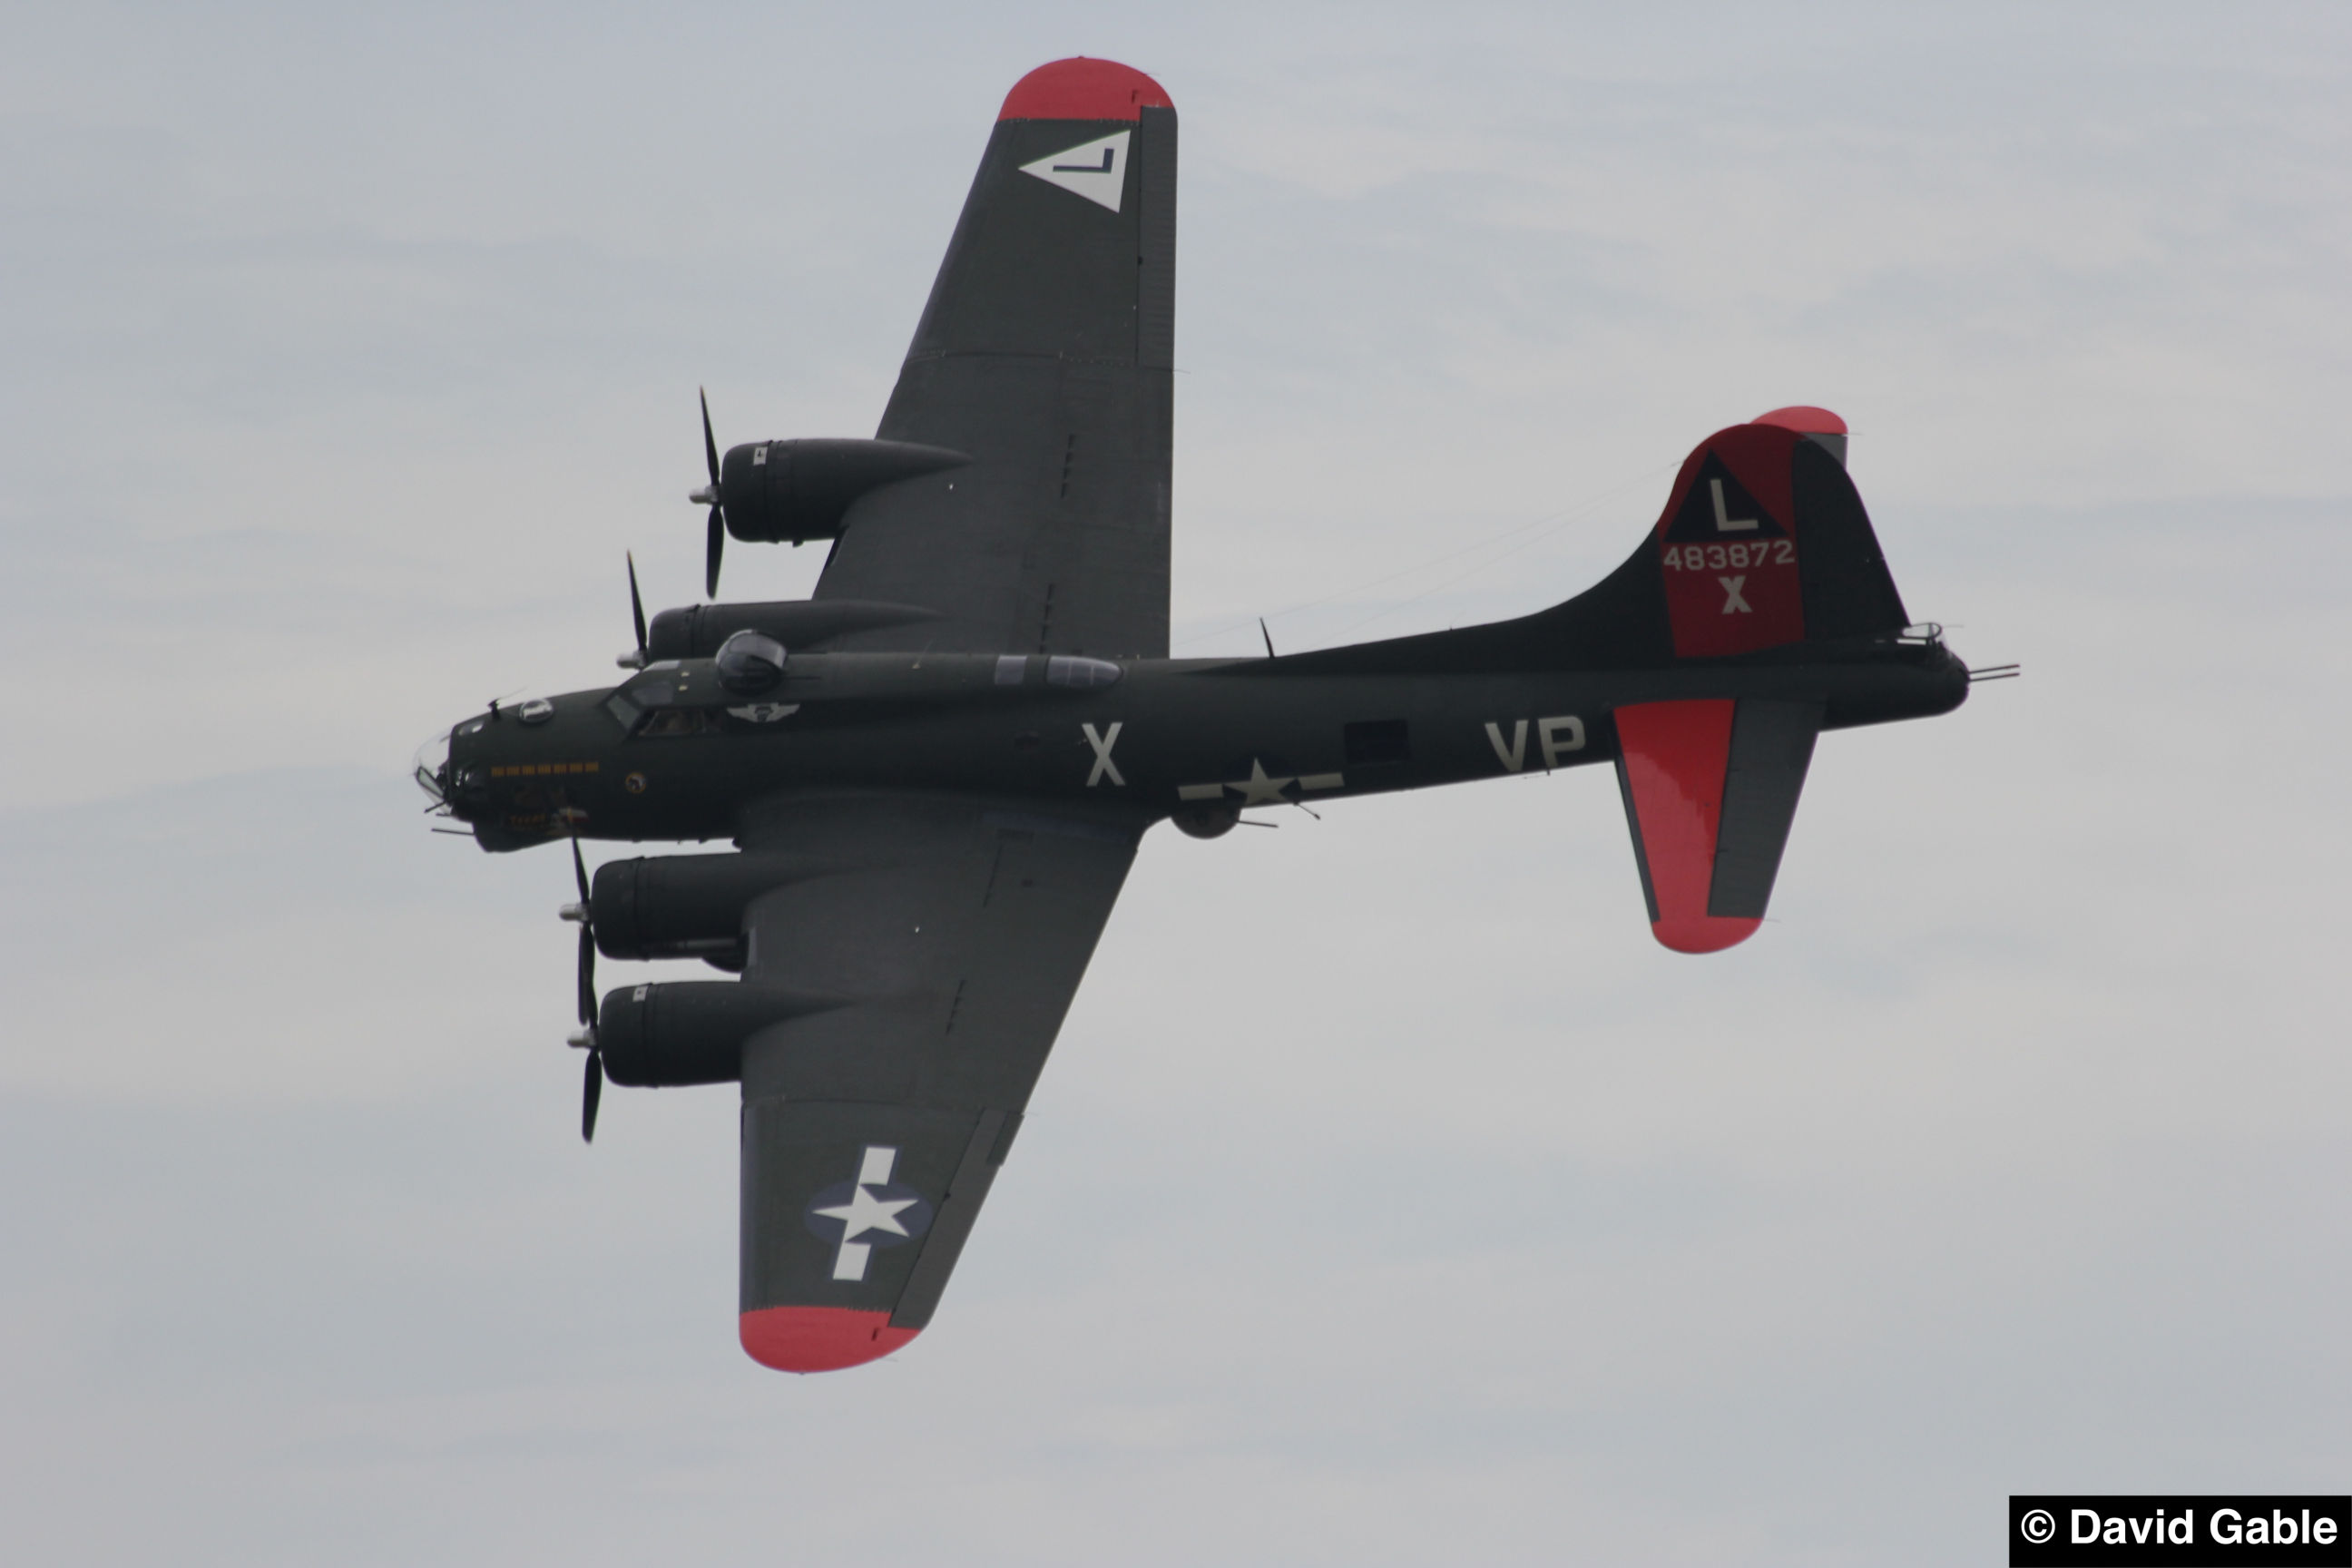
point(935, 770)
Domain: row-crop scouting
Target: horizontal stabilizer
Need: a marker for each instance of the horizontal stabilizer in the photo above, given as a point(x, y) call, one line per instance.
point(1710, 789)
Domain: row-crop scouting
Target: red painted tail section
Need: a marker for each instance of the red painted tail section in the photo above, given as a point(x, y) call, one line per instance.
point(1727, 546)
point(1674, 757)
point(1711, 787)
point(1763, 543)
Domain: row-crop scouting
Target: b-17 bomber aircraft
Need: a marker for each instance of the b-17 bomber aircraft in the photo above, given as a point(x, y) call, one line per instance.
point(936, 769)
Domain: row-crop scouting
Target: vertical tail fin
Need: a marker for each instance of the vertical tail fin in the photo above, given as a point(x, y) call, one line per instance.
point(1763, 542)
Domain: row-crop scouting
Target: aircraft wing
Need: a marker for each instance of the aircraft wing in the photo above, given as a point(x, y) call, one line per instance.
point(946, 941)
point(1044, 355)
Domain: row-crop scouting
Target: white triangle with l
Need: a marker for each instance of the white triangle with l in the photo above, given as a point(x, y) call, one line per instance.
point(1096, 170)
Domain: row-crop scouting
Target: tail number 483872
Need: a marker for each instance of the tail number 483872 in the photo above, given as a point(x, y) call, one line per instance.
point(1720, 557)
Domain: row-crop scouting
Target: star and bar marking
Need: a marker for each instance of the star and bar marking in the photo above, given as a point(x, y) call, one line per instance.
point(871, 1211)
point(1261, 788)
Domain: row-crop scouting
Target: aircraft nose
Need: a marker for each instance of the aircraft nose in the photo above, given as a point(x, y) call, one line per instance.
point(449, 768)
point(430, 768)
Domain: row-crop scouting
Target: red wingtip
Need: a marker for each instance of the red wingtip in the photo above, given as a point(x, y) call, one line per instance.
point(818, 1339)
point(1804, 420)
point(1703, 933)
point(1081, 89)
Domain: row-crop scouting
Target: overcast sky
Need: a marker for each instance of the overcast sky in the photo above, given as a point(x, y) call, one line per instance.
point(1391, 1196)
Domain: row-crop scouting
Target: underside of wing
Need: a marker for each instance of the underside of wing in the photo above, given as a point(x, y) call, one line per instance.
point(1044, 355)
point(946, 941)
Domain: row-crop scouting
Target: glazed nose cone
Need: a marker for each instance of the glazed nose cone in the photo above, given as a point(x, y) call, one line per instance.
point(430, 768)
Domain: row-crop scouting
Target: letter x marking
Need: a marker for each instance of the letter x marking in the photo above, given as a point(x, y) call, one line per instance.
point(1732, 598)
point(1102, 745)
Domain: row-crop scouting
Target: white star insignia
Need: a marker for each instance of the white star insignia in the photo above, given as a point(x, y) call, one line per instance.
point(1257, 789)
point(865, 1212)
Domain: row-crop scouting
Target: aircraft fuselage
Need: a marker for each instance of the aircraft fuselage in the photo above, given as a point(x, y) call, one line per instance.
point(673, 755)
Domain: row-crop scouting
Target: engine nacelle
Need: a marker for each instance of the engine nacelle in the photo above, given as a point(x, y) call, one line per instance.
point(684, 906)
point(777, 492)
point(668, 1036)
point(801, 624)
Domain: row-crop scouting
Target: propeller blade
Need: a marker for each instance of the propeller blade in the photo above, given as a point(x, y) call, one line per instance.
point(709, 446)
point(587, 940)
point(636, 605)
point(587, 976)
point(718, 499)
point(591, 1092)
point(718, 503)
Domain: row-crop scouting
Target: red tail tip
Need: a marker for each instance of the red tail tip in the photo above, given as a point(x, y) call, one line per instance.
point(1804, 420)
point(1703, 933)
point(818, 1339)
point(1081, 89)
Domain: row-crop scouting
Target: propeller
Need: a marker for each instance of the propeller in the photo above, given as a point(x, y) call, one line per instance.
point(635, 659)
point(710, 497)
point(591, 1090)
point(636, 605)
point(594, 1089)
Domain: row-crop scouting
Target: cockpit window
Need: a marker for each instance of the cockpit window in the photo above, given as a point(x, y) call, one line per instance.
point(750, 661)
point(679, 721)
point(1083, 674)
